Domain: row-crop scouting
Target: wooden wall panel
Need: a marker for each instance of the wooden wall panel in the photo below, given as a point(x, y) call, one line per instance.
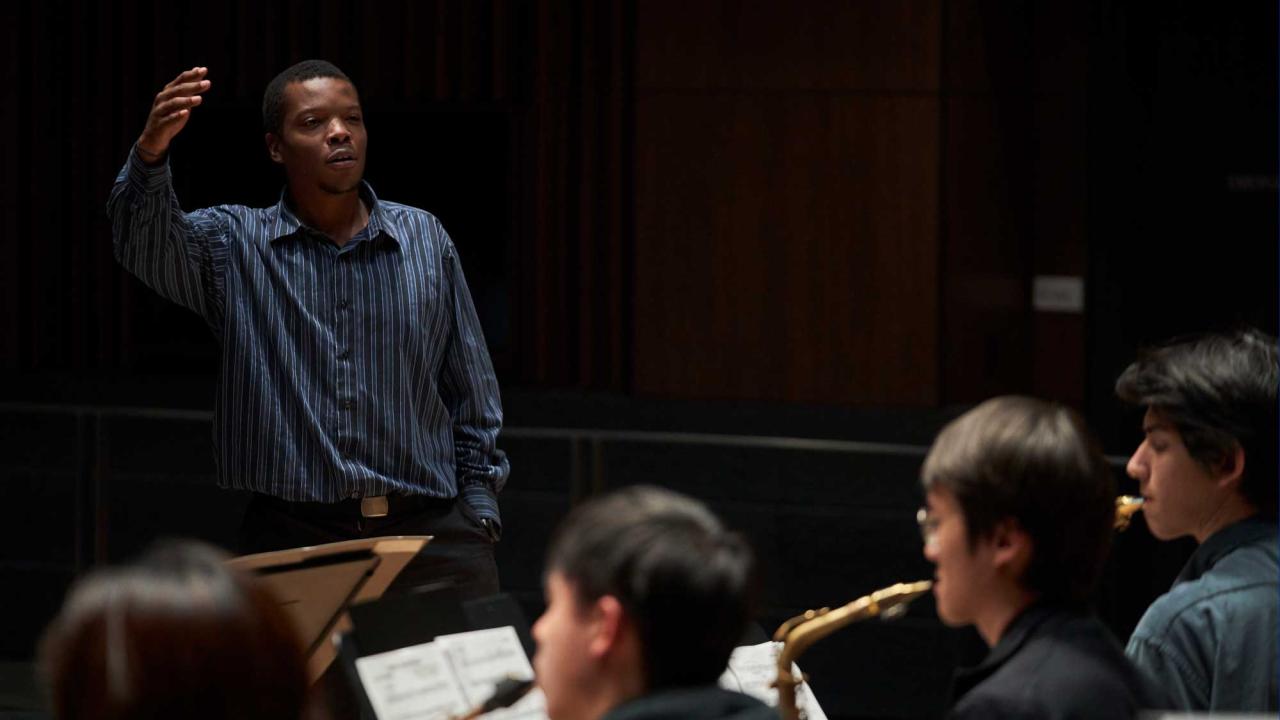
point(1060, 119)
point(786, 201)
point(989, 46)
point(786, 251)
point(821, 45)
point(1013, 197)
point(985, 282)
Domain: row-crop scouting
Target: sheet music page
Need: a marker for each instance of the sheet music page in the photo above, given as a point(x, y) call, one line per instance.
point(413, 683)
point(753, 668)
point(483, 658)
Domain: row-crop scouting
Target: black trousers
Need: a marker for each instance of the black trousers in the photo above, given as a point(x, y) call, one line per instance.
point(461, 552)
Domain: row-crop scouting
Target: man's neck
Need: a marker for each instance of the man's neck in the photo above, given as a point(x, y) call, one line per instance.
point(1232, 510)
point(1004, 605)
point(612, 690)
point(341, 217)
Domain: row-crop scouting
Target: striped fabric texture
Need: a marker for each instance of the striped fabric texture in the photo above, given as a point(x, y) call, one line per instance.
point(345, 372)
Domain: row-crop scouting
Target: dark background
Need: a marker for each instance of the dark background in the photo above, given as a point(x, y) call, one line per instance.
point(690, 228)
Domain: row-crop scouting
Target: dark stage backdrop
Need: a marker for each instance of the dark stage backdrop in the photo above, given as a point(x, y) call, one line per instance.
point(833, 203)
point(766, 218)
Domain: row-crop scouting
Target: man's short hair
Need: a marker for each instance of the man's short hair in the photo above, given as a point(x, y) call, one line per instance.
point(686, 582)
point(1037, 463)
point(273, 97)
point(1219, 391)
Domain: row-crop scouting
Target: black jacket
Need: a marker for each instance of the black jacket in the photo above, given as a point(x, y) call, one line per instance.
point(698, 703)
point(1052, 663)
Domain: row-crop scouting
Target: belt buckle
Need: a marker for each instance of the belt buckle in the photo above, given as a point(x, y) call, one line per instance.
point(374, 506)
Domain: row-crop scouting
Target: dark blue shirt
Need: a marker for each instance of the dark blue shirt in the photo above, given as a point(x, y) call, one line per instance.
point(1210, 642)
point(345, 372)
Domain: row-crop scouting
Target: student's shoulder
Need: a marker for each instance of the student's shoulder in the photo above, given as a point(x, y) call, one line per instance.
point(1073, 669)
point(990, 703)
point(701, 702)
point(1221, 593)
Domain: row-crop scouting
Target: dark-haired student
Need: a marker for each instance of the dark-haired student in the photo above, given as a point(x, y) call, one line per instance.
point(1207, 469)
point(1018, 523)
point(356, 397)
point(174, 635)
point(647, 594)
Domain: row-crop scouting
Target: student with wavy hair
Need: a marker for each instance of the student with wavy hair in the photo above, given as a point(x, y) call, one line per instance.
point(1207, 469)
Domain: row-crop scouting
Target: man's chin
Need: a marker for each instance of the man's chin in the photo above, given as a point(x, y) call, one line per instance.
point(1162, 532)
point(337, 191)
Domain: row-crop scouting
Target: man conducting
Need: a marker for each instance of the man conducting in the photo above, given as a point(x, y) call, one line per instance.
point(356, 396)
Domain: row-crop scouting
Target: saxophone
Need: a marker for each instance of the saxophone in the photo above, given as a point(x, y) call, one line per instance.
point(801, 631)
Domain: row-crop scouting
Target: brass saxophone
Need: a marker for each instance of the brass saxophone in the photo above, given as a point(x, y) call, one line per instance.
point(801, 631)
point(1126, 506)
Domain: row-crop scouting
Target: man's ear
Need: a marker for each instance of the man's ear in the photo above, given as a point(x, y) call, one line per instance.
point(607, 621)
point(273, 148)
point(1230, 469)
point(1012, 548)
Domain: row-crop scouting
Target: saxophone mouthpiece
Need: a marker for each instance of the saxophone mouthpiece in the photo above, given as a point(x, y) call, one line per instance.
point(1126, 507)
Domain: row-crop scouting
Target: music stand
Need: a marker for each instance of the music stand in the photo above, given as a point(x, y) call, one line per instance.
point(316, 584)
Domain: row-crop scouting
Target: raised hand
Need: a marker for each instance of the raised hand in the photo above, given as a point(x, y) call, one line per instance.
point(170, 112)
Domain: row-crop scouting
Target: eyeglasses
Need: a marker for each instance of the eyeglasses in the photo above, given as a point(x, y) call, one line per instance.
point(928, 524)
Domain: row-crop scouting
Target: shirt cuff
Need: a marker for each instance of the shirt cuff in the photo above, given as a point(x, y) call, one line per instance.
point(482, 500)
point(144, 177)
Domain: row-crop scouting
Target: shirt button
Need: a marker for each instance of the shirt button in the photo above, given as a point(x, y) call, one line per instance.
point(344, 354)
point(342, 304)
point(347, 404)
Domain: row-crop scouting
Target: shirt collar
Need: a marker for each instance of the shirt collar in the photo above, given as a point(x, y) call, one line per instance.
point(1011, 641)
point(1221, 543)
point(288, 224)
point(1016, 634)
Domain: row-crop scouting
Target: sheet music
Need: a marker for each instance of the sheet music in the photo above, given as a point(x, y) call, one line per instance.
point(449, 676)
point(483, 658)
point(753, 668)
point(412, 683)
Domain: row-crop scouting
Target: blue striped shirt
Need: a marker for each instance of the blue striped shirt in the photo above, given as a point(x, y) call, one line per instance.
point(345, 372)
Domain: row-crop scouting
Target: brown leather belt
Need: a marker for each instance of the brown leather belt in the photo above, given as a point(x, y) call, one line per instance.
point(371, 506)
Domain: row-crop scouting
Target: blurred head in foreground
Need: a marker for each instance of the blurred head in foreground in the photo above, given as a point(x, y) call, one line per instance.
point(176, 634)
point(646, 592)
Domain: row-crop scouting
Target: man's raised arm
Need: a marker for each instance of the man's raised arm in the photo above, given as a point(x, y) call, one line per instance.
point(178, 255)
